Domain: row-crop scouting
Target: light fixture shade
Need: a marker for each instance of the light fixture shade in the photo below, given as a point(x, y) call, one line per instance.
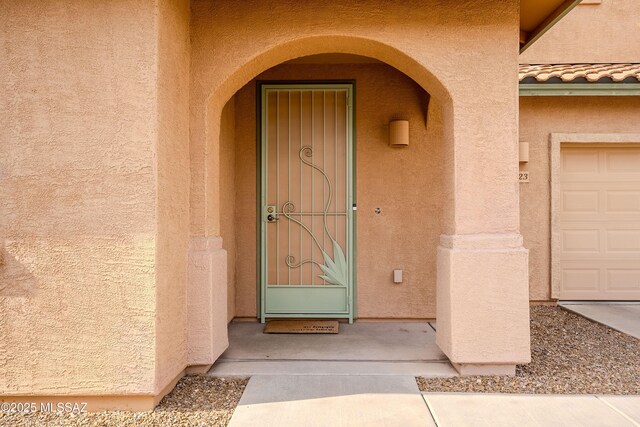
point(399, 133)
point(524, 152)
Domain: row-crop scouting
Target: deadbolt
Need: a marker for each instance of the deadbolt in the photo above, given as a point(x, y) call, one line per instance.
point(270, 213)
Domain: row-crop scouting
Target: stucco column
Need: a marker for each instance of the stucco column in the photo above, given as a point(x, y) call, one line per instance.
point(482, 278)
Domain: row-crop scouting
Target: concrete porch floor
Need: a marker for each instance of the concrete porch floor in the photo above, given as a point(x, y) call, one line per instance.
point(362, 348)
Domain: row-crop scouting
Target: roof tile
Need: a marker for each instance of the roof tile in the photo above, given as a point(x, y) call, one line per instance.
point(592, 73)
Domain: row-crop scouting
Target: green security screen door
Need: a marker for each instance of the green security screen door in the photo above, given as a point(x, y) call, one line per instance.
point(306, 222)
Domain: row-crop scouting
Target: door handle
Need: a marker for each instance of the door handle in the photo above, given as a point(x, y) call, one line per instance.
point(272, 218)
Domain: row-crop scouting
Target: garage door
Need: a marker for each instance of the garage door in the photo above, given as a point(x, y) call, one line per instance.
point(600, 223)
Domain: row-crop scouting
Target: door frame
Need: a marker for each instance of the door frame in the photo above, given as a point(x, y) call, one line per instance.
point(261, 86)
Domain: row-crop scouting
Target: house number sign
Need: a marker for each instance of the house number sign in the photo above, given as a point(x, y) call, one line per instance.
point(523, 176)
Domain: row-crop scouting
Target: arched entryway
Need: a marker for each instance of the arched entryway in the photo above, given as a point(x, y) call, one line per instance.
point(464, 227)
point(385, 183)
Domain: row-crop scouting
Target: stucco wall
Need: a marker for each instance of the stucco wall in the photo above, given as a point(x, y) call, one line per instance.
point(78, 197)
point(173, 177)
point(93, 160)
point(404, 183)
point(540, 116)
point(228, 189)
point(250, 39)
point(93, 177)
point(605, 32)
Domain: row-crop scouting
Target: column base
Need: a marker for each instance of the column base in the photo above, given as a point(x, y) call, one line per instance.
point(470, 369)
point(483, 302)
point(197, 369)
point(207, 335)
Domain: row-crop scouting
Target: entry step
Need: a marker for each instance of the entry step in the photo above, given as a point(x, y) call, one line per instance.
point(228, 368)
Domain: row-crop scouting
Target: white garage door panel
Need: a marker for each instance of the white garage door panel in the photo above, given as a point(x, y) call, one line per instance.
point(580, 202)
point(600, 223)
point(581, 279)
point(580, 162)
point(622, 161)
point(581, 241)
point(623, 201)
point(623, 279)
point(623, 242)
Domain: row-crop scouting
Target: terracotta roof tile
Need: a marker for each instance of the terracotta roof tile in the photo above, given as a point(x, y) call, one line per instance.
point(584, 73)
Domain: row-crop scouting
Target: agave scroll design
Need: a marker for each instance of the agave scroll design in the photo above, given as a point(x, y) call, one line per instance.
point(335, 270)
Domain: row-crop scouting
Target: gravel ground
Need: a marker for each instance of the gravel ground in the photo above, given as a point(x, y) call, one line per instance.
point(569, 354)
point(195, 401)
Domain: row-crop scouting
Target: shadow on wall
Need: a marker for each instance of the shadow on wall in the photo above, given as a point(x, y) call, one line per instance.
point(15, 279)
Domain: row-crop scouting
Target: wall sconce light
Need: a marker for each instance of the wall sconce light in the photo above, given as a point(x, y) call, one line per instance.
point(523, 152)
point(399, 133)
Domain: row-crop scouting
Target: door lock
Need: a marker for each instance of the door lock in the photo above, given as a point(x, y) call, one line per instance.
point(271, 214)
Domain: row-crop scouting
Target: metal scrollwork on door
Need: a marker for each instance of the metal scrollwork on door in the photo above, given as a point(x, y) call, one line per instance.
point(334, 269)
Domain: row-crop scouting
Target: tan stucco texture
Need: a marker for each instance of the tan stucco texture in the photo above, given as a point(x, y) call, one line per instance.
point(172, 189)
point(539, 117)
point(251, 39)
point(93, 183)
point(606, 32)
point(110, 161)
point(228, 190)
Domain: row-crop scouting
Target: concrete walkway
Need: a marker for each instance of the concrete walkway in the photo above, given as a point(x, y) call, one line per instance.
point(495, 410)
point(623, 317)
point(365, 376)
point(343, 400)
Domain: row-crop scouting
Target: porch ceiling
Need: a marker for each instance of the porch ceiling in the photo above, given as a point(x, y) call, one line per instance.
point(537, 16)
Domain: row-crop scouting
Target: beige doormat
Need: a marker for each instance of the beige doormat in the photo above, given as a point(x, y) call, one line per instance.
point(307, 326)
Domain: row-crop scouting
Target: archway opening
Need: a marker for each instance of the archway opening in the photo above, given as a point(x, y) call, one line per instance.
point(399, 191)
point(400, 206)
